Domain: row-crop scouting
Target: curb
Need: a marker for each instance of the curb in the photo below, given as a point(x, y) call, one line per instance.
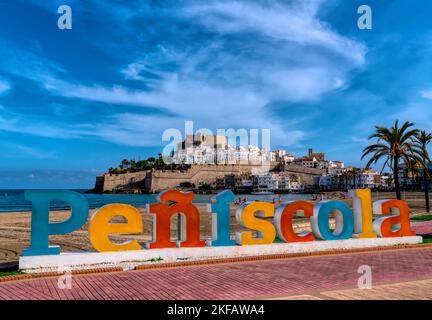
point(30, 276)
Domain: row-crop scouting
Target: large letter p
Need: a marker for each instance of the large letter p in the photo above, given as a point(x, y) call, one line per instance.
point(41, 228)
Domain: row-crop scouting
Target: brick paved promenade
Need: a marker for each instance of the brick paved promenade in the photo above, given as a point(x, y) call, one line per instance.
point(259, 279)
point(422, 227)
point(407, 290)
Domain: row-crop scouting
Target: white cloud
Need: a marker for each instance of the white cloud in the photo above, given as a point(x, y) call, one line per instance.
point(419, 113)
point(27, 64)
point(362, 140)
point(28, 125)
point(18, 150)
point(123, 129)
point(4, 86)
point(134, 70)
point(427, 94)
point(295, 21)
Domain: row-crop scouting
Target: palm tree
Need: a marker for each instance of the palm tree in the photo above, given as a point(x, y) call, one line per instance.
point(389, 181)
point(422, 140)
point(132, 165)
point(124, 164)
point(393, 145)
point(346, 176)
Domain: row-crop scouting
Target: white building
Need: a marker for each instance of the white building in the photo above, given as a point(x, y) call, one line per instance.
point(406, 179)
point(366, 179)
point(336, 167)
point(203, 149)
point(386, 181)
point(263, 182)
point(326, 182)
point(247, 183)
point(288, 158)
point(287, 182)
point(307, 162)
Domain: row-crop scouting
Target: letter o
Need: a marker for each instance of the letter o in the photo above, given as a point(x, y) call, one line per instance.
point(344, 220)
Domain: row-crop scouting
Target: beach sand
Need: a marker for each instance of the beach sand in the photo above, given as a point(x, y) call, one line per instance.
point(15, 232)
point(15, 227)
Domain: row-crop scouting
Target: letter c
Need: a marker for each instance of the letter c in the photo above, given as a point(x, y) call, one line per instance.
point(284, 221)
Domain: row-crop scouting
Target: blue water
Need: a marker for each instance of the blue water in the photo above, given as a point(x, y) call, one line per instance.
point(13, 200)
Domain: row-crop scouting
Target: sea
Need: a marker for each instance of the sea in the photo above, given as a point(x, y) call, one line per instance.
point(13, 200)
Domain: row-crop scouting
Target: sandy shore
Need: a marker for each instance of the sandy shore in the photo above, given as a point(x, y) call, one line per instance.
point(15, 232)
point(15, 227)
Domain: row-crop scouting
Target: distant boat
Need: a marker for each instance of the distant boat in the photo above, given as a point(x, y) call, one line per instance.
point(262, 192)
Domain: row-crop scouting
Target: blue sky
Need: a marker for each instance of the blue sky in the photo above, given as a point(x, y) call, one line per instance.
point(75, 102)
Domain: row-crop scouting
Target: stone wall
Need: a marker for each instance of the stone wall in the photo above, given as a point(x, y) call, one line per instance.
point(115, 182)
point(209, 173)
point(157, 180)
point(99, 186)
point(306, 174)
point(197, 174)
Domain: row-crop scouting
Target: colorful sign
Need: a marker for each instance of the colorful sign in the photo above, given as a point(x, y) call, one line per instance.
point(260, 219)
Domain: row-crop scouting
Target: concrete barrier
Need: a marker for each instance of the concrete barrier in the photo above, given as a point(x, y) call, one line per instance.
point(130, 259)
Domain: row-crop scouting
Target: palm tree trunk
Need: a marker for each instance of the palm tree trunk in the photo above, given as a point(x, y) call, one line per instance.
point(396, 178)
point(426, 190)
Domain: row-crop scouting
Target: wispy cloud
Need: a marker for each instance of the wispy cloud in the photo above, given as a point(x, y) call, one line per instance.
point(47, 179)
point(27, 64)
point(30, 126)
point(13, 150)
point(294, 21)
point(4, 86)
point(418, 113)
point(427, 94)
point(362, 140)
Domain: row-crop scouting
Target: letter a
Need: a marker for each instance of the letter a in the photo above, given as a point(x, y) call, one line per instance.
point(65, 20)
point(365, 20)
point(395, 220)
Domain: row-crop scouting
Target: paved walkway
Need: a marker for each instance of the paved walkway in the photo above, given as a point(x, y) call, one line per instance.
point(422, 227)
point(244, 280)
point(409, 290)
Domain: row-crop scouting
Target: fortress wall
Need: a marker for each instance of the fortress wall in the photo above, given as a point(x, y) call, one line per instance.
point(207, 173)
point(157, 180)
point(115, 181)
point(306, 174)
point(295, 168)
point(99, 183)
